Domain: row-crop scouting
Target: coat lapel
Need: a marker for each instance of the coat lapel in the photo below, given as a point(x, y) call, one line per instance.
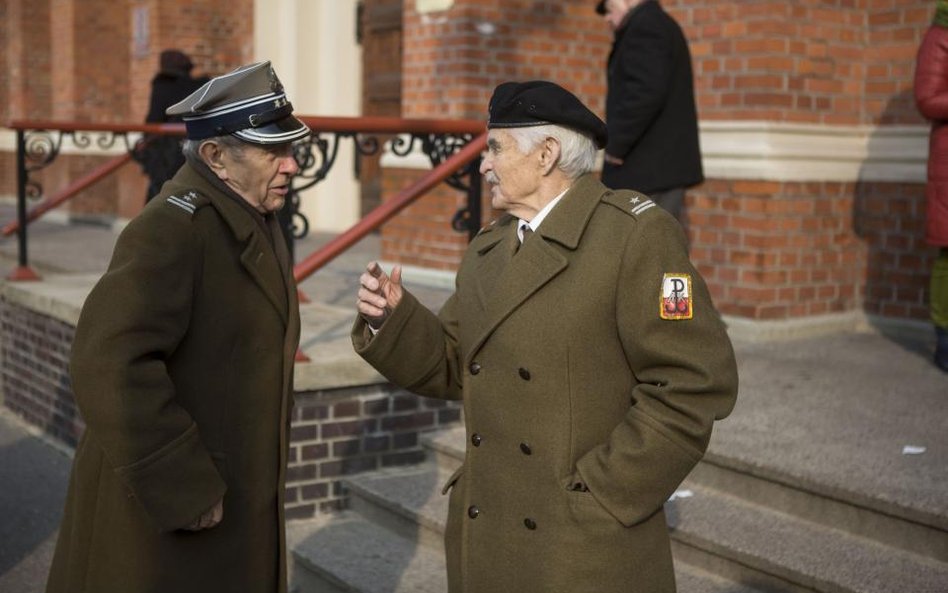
point(260, 262)
point(507, 278)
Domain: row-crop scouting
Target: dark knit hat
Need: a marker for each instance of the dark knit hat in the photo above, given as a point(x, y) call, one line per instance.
point(540, 102)
point(174, 61)
point(248, 103)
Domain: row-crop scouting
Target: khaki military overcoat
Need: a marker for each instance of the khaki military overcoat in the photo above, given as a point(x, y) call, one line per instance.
point(182, 369)
point(585, 408)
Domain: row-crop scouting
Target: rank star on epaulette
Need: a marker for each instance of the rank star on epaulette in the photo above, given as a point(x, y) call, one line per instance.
point(676, 300)
point(638, 208)
point(184, 202)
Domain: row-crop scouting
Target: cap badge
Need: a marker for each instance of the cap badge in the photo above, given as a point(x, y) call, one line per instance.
point(676, 301)
point(275, 85)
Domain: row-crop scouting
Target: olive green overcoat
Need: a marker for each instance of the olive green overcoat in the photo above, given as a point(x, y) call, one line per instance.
point(584, 407)
point(182, 370)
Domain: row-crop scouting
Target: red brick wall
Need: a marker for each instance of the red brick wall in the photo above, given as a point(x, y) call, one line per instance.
point(774, 250)
point(76, 60)
point(771, 250)
point(333, 434)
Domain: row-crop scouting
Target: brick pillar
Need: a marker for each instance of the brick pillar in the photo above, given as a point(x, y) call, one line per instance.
point(24, 81)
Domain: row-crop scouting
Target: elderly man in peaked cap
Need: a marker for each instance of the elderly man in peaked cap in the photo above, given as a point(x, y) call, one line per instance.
point(182, 367)
point(589, 357)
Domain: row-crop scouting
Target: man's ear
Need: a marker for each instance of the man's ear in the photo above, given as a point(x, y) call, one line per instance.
point(549, 155)
point(213, 155)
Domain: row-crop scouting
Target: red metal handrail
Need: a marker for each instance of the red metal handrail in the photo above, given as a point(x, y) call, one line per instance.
point(359, 125)
point(69, 191)
point(388, 209)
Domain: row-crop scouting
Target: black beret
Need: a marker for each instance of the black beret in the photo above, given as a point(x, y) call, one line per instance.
point(540, 102)
point(601, 7)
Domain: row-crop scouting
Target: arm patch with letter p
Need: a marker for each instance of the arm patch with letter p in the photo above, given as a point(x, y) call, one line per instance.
point(676, 300)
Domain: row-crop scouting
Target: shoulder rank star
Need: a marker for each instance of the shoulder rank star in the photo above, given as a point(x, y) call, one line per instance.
point(676, 300)
point(184, 202)
point(637, 207)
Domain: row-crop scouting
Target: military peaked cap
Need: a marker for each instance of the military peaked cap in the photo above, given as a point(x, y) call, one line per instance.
point(540, 102)
point(249, 103)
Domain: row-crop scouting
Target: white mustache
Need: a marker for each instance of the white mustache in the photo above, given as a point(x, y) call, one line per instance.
point(491, 178)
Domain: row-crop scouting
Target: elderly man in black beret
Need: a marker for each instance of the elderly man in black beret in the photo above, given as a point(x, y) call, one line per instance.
point(590, 359)
point(182, 367)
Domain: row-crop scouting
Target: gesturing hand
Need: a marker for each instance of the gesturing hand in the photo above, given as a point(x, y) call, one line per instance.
point(379, 293)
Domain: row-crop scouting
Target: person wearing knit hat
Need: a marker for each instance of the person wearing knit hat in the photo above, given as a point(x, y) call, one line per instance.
point(931, 97)
point(160, 156)
point(587, 352)
point(182, 366)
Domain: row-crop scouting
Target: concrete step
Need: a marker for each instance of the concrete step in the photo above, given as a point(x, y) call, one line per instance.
point(407, 501)
point(859, 513)
point(447, 447)
point(752, 544)
point(348, 553)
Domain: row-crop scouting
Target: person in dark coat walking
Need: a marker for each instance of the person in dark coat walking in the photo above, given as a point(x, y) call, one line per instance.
point(931, 96)
point(650, 105)
point(182, 367)
point(588, 354)
point(161, 156)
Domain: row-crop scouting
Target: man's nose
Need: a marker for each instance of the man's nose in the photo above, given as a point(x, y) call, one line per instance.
point(485, 165)
point(289, 165)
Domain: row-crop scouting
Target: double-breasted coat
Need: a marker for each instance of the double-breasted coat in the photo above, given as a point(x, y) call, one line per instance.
point(650, 105)
point(182, 370)
point(586, 402)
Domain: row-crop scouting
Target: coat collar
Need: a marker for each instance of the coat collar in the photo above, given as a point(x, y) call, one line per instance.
point(505, 278)
point(258, 257)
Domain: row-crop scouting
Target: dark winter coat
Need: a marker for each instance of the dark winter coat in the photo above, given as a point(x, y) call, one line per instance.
point(931, 96)
point(182, 369)
point(584, 408)
point(650, 106)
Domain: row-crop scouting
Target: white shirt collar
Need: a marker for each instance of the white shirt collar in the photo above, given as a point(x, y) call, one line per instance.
point(535, 223)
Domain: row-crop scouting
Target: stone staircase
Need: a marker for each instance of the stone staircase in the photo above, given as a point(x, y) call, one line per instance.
point(734, 530)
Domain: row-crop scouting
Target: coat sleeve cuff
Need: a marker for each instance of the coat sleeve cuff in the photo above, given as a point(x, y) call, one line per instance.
point(177, 483)
point(635, 473)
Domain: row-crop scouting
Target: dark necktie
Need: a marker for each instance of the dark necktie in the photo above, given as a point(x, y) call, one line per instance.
point(527, 232)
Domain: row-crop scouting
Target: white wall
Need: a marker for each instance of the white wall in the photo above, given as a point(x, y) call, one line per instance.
point(312, 46)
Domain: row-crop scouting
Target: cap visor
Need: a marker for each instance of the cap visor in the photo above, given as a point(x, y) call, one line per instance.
point(288, 129)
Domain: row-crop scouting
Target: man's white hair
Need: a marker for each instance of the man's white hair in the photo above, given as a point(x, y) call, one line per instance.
point(190, 147)
point(577, 151)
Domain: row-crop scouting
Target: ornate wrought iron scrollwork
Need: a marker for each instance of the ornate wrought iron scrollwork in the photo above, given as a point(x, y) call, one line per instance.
point(41, 148)
point(439, 148)
point(317, 155)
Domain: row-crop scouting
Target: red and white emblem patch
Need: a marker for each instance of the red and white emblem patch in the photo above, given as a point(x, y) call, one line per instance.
point(676, 297)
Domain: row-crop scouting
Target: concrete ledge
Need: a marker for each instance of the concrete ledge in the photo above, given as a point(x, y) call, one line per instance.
point(59, 296)
point(757, 330)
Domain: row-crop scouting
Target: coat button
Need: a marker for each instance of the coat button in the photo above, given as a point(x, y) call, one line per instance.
point(530, 523)
point(524, 374)
point(476, 439)
point(473, 512)
point(475, 368)
point(526, 449)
